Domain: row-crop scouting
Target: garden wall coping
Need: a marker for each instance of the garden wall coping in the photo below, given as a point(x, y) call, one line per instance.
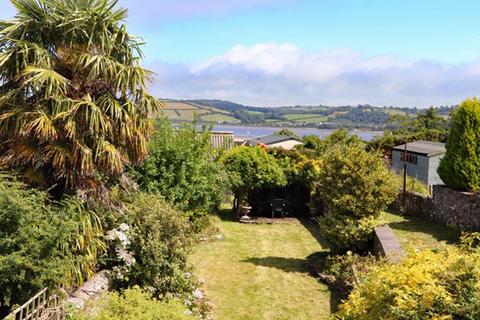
point(386, 244)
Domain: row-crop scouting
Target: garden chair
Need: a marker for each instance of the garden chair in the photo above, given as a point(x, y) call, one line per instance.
point(278, 206)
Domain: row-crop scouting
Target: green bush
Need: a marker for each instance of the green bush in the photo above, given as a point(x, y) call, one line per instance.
point(355, 183)
point(356, 186)
point(426, 285)
point(413, 185)
point(160, 240)
point(251, 168)
point(460, 167)
point(136, 304)
point(344, 233)
point(43, 245)
point(336, 138)
point(182, 166)
point(340, 272)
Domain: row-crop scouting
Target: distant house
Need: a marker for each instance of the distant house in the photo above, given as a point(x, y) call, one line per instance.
point(275, 141)
point(423, 158)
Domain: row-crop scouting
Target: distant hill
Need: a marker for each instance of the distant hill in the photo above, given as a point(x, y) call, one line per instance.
point(227, 112)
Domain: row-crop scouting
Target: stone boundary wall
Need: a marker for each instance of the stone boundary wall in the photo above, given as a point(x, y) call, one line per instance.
point(459, 210)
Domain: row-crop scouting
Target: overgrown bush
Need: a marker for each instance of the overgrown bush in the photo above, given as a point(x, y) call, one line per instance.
point(413, 185)
point(160, 240)
point(460, 167)
point(344, 233)
point(336, 138)
point(426, 285)
point(251, 168)
point(136, 304)
point(356, 186)
point(340, 272)
point(183, 167)
point(42, 244)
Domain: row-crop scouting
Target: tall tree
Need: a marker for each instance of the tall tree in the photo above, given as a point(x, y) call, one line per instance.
point(460, 167)
point(73, 102)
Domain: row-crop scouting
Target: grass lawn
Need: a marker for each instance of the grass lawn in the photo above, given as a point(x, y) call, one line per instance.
point(258, 272)
point(418, 233)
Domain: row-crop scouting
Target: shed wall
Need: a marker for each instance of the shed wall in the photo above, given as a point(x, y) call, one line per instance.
point(433, 177)
point(420, 170)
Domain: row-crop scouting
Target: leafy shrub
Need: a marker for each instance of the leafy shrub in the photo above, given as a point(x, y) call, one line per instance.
point(339, 272)
point(251, 168)
point(355, 182)
point(336, 138)
point(182, 166)
point(43, 245)
point(136, 304)
point(356, 186)
point(160, 242)
point(460, 167)
point(84, 241)
point(426, 285)
point(344, 233)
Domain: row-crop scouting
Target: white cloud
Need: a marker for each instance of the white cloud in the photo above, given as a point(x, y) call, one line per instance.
point(270, 74)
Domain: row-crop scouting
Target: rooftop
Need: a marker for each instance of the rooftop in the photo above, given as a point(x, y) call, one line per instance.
point(272, 139)
point(427, 148)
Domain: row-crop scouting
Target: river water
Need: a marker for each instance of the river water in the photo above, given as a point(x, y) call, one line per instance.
point(253, 132)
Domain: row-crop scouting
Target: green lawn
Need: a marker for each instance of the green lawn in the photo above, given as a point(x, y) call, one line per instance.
point(258, 272)
point(419, 233)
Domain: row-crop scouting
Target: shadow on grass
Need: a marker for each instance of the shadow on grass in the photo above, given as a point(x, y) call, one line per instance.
point(226, 214)
point(284, 264)
point(436, 230)
point(312, 227)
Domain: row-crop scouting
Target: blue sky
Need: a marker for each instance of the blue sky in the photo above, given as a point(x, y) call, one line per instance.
point(279, 52)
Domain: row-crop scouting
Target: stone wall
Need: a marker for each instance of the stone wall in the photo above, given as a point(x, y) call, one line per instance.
point(460, 210)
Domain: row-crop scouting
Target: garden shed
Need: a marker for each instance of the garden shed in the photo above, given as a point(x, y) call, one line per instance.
point(422, 157)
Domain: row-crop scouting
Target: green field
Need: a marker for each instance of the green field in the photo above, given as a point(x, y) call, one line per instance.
point(216, 117)
point(258, 272)
point(253, 112)
point(180, 111)
point(307, 117)
point(182, 114)
point(394, 112)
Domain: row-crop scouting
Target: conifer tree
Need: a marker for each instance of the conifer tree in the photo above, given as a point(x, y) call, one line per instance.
point(460, 167)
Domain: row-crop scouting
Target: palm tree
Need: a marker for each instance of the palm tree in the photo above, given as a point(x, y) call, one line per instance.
point(74, 109)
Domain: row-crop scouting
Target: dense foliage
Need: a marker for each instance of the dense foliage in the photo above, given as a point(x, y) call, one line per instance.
point(340, 272)
point(136, 304)
point(73, 99)
point(252, 168)
point(337, 137)
point(160, 241)
point(428, 125)
point(43, 245)
point(460, 167)
point(183, 167)
point(426, 285)
point(356, 186)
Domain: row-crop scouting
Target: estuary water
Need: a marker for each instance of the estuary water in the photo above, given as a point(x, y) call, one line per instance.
point(253, 132)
